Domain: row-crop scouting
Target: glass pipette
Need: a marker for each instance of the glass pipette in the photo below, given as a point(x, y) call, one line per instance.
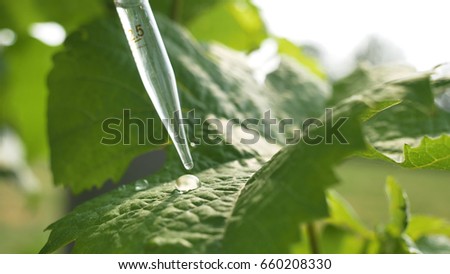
point(155, 69)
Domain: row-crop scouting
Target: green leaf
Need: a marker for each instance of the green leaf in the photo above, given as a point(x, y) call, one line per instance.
point(344, 216)
point(158, 219)
point(415, 132)
point(236, 24)
point(277, 198)
point(393, 132)
point(430, 153)
point(343, 232)
point(393, 237)
point(95, 78)
point(398, 208)
point(288, 89)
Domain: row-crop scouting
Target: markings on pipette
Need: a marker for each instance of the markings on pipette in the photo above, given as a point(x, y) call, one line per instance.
point(137, 34)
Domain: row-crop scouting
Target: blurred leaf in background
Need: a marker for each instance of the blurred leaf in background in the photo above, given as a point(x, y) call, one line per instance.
point(23, 88)
point(236, 24)
point(392, 237)
point(343, 232)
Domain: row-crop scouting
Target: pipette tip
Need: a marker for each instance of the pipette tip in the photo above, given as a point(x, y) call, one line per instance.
point(188, 165)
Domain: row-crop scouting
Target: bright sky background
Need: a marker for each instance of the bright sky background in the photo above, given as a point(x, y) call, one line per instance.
point(420, 28)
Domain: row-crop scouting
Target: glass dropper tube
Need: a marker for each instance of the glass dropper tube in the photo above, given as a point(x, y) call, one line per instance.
point(155, 69)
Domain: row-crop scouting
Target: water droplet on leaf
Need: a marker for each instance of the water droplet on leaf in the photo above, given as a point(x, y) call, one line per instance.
point(187, 183)
point(141, 185)
point(441, 86)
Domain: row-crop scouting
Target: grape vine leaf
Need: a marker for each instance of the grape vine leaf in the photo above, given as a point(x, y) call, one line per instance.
point(432, 152)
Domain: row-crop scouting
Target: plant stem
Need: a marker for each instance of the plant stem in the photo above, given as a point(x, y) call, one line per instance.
point(177, 6)
point(312, 237)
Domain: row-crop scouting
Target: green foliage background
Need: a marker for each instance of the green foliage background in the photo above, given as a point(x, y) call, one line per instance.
point(278, 194)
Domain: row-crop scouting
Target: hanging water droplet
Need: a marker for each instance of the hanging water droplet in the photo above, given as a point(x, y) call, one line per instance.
point(187, 183)
point(141, 185)
point(441, 86)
